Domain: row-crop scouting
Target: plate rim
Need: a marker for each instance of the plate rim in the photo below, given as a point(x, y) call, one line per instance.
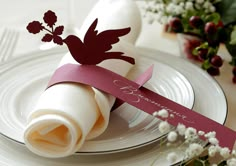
point(150, 51)
point(133, 159)
point(148, 55)
point(42, 55)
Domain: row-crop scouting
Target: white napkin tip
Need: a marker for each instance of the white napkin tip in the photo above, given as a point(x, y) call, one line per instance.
point(45, 124)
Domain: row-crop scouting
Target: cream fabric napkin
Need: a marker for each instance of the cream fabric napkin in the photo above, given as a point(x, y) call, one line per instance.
point(68, 114)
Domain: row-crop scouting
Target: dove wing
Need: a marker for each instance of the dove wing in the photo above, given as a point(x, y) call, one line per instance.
point(106, 38)
point(103, 41)
point(91, 34)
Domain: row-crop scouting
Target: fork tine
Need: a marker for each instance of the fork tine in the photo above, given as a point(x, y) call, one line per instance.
point(2, 41)
point(8, 44)
point(12, 44)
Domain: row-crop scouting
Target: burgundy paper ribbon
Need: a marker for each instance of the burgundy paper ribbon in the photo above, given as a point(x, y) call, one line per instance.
point(140, 97)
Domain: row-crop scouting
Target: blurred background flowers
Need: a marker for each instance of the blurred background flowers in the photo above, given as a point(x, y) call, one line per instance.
point(204, 25)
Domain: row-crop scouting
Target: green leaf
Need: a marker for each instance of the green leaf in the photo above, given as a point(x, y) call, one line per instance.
point(233, 36)
point(214, 17)
point(233, 61)
point(231, 48)
point(195, 52)
point(204, 45)
point(206, 64)
point(233, 41)
point(212, 51)
point(227, 10)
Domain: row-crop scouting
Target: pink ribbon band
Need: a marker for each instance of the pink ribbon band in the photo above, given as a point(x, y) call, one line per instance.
point(140, 97)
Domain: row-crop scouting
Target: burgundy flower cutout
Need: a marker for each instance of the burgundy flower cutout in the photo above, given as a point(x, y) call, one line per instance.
point(83, 51)
point(53, 34)
point(50, 18)
point(34, 27)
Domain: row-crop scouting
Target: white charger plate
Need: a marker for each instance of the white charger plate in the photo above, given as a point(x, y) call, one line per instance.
point(209, 101)
point(128, 128)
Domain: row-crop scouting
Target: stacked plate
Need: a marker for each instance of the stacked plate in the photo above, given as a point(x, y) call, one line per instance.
point(131, 137)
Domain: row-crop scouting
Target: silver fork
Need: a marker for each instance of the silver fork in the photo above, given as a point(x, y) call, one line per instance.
point(8, 42)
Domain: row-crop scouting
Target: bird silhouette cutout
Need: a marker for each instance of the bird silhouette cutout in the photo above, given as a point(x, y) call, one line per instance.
point(94, 49)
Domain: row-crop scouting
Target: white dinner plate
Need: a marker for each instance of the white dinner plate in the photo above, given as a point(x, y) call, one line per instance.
point(209, 101)
point(128, 128)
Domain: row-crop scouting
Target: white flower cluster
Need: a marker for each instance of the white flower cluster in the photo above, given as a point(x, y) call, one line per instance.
point(231, 162)
point(163, 113)
point(191, 138)
point(163, 10)
point(194, 150)
point(164, 127)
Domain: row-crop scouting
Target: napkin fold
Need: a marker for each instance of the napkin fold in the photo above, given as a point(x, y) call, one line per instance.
point(67, 114)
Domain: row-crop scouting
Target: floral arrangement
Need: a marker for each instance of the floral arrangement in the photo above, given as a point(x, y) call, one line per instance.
point(212, 22)
point(196, 151)
point(53, 33)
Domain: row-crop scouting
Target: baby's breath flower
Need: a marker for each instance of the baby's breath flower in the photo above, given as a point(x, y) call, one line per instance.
point(199, 1)
point(170, 7)
point(231, 162)
point(181, 129)
point(175, 1)
point(206, 4)
point(164, 20)
point(190, 134)
point(194, 149)
point(172, 157)
point(172, 115)
point(225, 152)
point(150, 17)
point(163, 113)
point(212, 9)
point(234, 153)
point(189, 5)
point(198, 6)
point(172, 136)
point(212, 150)
point(181, 4)
point(179, 10)
point(201, 133)
point(155, 113)
point(169, 144)
point(211, 134)
point(164, 127)
point(213, 141)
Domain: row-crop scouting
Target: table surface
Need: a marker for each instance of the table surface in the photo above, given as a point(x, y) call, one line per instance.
point(16, 14)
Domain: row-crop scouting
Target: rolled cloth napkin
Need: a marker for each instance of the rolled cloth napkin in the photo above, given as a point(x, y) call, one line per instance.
point(67, 114)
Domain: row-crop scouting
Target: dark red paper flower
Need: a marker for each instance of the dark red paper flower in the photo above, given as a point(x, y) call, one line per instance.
point(50, 18)
point(57, 40)
point(58, 30)
point(94, 42)
point(53, 34)
point(34, 27)
point(47, 37)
